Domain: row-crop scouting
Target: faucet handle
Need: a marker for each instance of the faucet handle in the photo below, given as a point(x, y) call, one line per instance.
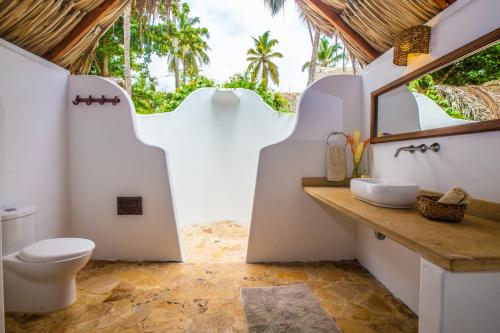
point(423, 147)
point(435, 147)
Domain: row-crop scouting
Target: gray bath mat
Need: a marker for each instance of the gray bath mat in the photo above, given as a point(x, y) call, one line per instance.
point(291, 309)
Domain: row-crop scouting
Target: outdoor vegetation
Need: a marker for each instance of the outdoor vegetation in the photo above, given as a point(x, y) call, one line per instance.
point(169, 31)
point(463, 88)
point(329, 54)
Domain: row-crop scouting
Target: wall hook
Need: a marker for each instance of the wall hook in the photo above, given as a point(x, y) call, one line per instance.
point(115, 100)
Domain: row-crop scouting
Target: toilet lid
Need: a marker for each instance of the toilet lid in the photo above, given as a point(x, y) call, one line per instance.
point(56, 249)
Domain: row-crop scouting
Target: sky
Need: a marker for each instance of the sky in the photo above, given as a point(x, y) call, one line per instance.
point(231, 23)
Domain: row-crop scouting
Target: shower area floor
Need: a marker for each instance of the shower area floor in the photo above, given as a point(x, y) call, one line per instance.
point(219, 241)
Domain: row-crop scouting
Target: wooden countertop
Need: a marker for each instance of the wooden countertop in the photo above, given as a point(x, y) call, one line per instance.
point(471, 245)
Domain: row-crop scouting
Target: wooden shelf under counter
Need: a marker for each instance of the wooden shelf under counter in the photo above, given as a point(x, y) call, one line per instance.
point(467, 246)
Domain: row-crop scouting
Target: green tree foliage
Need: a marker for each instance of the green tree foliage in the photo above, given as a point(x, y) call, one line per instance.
point(425, 85)
point(181, 38)
point(273, 99)
point(260, 57)
point(109, 60)
point(148, 99)
point(329, 54)
point(192, 44)
point(189, 46)
point(477, 69)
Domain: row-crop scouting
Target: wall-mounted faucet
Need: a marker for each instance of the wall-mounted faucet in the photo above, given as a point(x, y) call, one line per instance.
point(435, 147)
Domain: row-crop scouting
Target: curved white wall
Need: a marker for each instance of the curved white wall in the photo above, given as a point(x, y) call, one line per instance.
point(213, 147)
point(398, 112)
point(107, 160)
point(432, 115)
point(287, 225)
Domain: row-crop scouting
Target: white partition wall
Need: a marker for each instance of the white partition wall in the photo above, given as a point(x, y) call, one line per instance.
point(213, 141)
point(106, 161)
point(287, 225)
point(33, 142)
point(34, 138)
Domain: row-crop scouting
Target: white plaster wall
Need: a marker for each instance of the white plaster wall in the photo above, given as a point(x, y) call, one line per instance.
point(33, 138)
point(461, 155)
point(287, 225)
point(107, 160)
point(2, 313)
point(458, 302)
point(214, 149)
point(469, 161)
point(398, 112)
point(432, 115)
point(397, 267)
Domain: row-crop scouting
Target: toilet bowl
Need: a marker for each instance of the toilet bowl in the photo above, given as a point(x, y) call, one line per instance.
point(39, 276)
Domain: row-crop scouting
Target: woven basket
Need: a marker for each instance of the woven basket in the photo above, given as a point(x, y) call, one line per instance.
point(429, 207)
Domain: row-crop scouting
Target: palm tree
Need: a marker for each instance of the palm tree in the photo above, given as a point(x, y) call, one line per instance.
point(314, 57)
point(192, 44)
point(143, 8)
point(275, 6)
point(327, 55)
point(173, 59)
point(188, 44)
point(260, 58)
point(126, 46)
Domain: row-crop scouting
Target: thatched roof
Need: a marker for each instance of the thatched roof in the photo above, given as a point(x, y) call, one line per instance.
point(66, 32)
point(478, 103)
point(368, 27)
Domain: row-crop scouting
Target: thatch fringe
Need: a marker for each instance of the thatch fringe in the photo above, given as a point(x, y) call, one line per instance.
point(377, 21)
point(79, 60)
point(478, 103)
point(39, 25)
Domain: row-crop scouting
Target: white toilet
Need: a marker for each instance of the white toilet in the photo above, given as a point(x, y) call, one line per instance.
point(38, 276)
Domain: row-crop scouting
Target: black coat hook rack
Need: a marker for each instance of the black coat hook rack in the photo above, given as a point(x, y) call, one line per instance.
point(91, 100)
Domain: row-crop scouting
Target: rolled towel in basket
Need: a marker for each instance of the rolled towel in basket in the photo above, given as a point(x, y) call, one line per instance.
point(455, 196)
point(336, 163)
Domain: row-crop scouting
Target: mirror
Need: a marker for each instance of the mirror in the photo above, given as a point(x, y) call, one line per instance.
point(455, 94)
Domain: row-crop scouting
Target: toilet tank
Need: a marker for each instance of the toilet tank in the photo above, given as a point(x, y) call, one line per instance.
point(18, 228)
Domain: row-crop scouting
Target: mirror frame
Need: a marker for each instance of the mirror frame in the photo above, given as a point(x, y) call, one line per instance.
point(483, 126)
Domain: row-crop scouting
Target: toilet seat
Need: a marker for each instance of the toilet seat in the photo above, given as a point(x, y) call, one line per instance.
point(56, 249)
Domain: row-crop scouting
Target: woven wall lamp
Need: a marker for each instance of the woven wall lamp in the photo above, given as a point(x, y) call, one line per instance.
point(413, 40)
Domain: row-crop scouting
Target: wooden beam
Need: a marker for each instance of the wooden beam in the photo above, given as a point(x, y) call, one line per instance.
point(333, 17)
point(88, 22)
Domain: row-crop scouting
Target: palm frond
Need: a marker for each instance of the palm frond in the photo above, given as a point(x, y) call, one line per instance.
point(275, 5)
point(306, 65)
point(273, 70)
point(275, 55)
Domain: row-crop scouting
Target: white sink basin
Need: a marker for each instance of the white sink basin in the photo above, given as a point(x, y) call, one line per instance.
point(384, 193)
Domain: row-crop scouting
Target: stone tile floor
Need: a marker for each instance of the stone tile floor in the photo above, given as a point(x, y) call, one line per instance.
point(204, 296)
point(221, 241)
